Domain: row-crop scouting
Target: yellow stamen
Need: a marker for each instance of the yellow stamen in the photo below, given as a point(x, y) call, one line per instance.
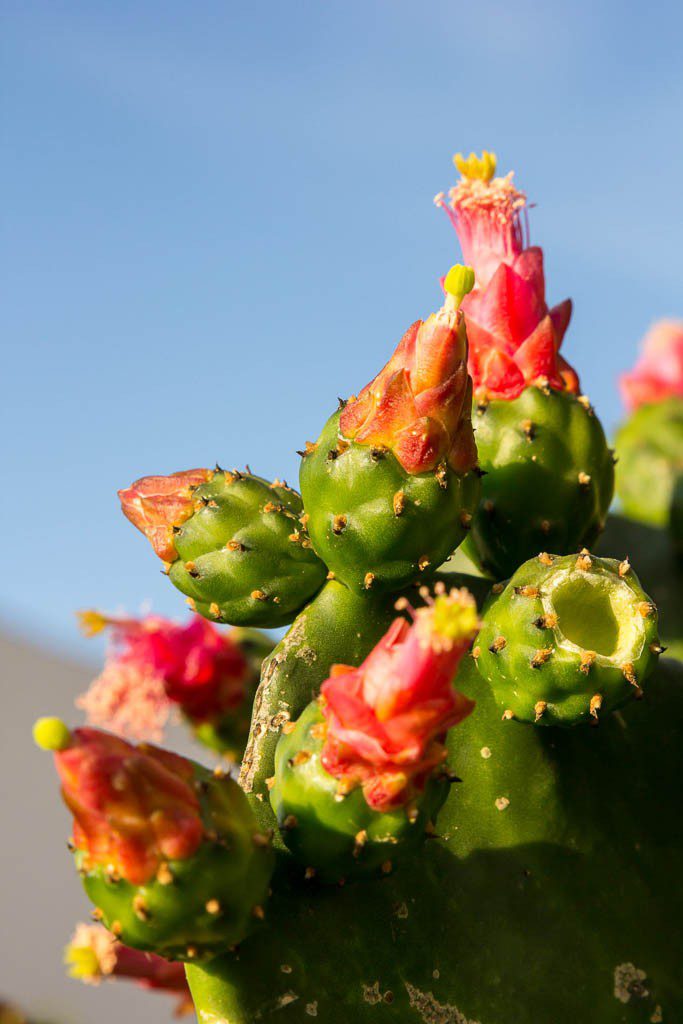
point(91, 622)
point(458, 283)
point(473, 167)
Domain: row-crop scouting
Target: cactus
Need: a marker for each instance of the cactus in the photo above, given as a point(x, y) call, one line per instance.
point(155, 666)
point(234, 543)
point(93, 955)
point(544, 890)
point(548, 472)
point(168, 852)
point(649, 443)
point(390, 485)
point(568, 639)
point(360, 777)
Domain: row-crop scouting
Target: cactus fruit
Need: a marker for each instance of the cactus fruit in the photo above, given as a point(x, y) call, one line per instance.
point(361, 776)
point(155, 666)
point(549, 478)
point(169, 853)
point(94, 954)
point(548, 472)
point(390, 485)
point(568, 639)
point(233, 542)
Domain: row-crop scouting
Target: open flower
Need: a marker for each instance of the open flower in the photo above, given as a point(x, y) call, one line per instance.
point(419, 405)
point(134, 807)
point(94, 954)
point(658, 374)
point(155, 665)
point(514, 338)
point(386, 720)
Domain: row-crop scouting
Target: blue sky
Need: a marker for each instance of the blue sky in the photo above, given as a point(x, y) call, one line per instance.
point(217, 218)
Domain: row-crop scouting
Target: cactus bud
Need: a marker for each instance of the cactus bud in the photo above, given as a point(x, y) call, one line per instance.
point(367, 758)
point(158, 504)
point(156, 837)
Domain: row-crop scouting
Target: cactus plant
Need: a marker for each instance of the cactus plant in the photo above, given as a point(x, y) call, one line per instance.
point(544, 891)
point(548, 471)
point(649, 443)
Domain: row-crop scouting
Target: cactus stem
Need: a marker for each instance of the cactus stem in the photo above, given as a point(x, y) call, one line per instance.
point(545, 559)
point(338, 524)
point(498, 645)
point(624, 567)
point(399, 503)
point(584, 561)
point(540, 708)
point(595, 705)
point(541, 656)
point(368, 580)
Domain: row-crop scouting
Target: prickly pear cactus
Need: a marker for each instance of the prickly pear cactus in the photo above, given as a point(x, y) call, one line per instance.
point(459, 821)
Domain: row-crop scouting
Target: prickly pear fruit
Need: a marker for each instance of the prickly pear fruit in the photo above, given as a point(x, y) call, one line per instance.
point(549, 478)
point(94, 955)
point(155, 665)
point(390, 486)
point(361, 776)
point(169, 853)
point(548, 475)
point(234, 543)
point(649, 447)
point(568, 639)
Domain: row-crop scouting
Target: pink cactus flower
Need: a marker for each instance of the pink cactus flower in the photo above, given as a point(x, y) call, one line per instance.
point(134, 807)
point(155, 665)
point(94, 955)
point(658, 373)
point(419, 405)
point(514, 337)
point(386, 720)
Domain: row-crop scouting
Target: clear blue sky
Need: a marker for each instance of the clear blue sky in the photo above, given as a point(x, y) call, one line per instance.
point(217, 217)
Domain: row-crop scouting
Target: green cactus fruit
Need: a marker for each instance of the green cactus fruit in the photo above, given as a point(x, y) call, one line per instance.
point(337, 838)
point(649, 447)
point(568, 639)
point(548, 895)
point(169, 853)
point(548, 481)
point(376, 526)
point(243, 556)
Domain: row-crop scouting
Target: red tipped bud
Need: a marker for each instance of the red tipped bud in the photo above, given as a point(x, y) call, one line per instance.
point(386, 720)
point(155, 504)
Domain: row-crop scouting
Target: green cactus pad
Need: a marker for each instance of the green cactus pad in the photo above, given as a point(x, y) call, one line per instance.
point(244, 557)
point(568, 640)
point(335, 837)
point(196, 907)
point(649, 446)
point(549, 478)
point(376, 526)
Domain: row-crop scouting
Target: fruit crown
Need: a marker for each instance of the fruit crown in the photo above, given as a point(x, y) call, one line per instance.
point(658, 373)
point(418, 405)
point(154, 665)
point(514, 338)
point(134, 807)
point(385, 720)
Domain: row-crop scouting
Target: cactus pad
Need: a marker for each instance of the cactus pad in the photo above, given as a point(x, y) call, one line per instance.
point(649, 446)
point(568, 640)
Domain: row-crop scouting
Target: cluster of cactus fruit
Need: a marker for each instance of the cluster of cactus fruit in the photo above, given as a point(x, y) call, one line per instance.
point(351, 871)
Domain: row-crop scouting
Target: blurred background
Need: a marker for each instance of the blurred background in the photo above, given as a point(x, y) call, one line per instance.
point(217, 218)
